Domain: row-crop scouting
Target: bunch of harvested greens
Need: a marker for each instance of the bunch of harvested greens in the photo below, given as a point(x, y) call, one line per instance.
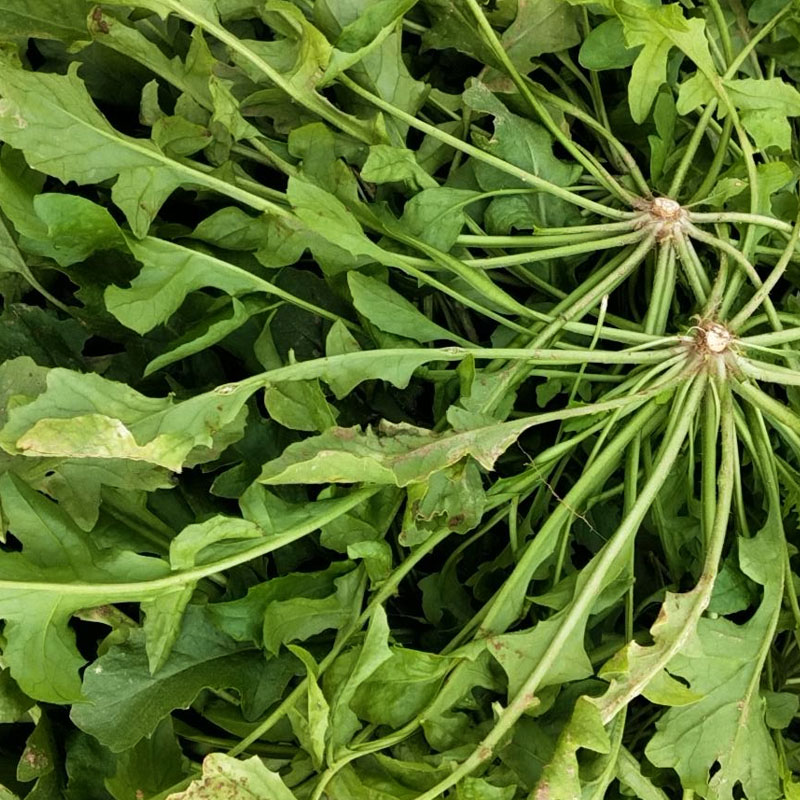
point(399, 399)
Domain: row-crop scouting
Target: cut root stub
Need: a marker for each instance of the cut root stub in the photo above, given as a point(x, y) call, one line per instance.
point(666, 208)
point(712, 338)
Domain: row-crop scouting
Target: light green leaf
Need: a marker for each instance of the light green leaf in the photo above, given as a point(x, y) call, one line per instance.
point(340, 341)
point(190, 76)
point(233, 229)
point(373, 652)
point(519, 652)
point(400, 687)
point(362, 35)
point(185, 550)
point(391, 312)
point(243, 618)
point(371, 18)
point(41, 761)
point(298, 618)
point(163, 613)
point(11, 260)
point(40, 648)
point(64, 20)
point(150, 766)
point(213, 328)
point(527, 145)
point(453, 25)
point(169, 272)
point(392, 453)
point(226, 110)
point(437, 216)
point(560, 778)
point(326, 215)
point(311, 724)
point(781, 709)
point(604, 47)
point(657, 29)
point(13, 703)
point(768, 129)
point(86, 416)
point(178, 137)
point(162, 623)
point(235, 780)
point(53, 120)
point(771, 94)
point(76, 227)
point(300, 405)
point(202, 8)
point(629, 772)
point(386, 163)
point(479, 789)
point(725, 189)
point(541, 26)
point(765, 105)
point(452, 498)
point(377, 557)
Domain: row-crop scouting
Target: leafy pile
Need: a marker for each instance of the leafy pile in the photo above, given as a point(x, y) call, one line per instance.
point(399, 399)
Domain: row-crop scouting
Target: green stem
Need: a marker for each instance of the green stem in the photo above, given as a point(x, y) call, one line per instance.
point(691, 149)
point(594, 233)
point(742, 218)
point(599, 128)
point(720, 151)
point(753, 42)
point(136, 590)
point(722, 487)
point(762, 294)
point(773, 338)
point(693, 269)
point(767, 405)
point(592, 246)
point(663, 290)
point(722, 28)
point(741, 259)
point(769, 373)
point(708, 485)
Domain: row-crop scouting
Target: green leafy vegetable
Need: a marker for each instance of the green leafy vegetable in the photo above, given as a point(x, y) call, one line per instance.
point(399, 400)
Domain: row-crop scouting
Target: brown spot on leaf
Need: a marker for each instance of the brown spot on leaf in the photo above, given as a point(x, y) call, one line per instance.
point(99, 23)
point(542, 791)
point(35, 758)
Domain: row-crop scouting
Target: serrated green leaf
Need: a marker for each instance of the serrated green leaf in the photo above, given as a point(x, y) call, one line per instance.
point(722, 661)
